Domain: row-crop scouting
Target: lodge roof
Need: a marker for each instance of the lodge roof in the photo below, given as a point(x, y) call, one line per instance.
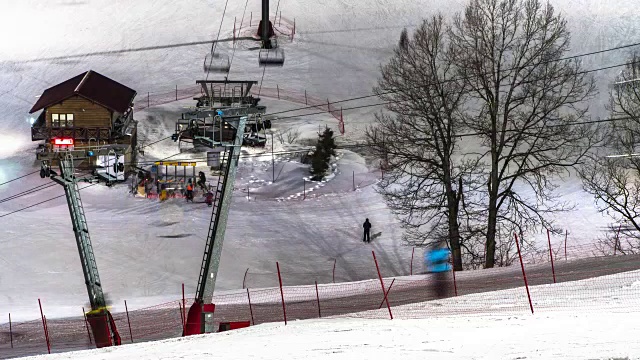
point(92, 86)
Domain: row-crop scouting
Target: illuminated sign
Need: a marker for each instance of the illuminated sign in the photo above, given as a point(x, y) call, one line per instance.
point(63, 141)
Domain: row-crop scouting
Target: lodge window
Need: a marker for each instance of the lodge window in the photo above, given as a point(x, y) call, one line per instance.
point(62, 120)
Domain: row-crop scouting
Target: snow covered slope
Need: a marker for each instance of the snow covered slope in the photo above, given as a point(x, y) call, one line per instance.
point(145, 249)
point(587, 331)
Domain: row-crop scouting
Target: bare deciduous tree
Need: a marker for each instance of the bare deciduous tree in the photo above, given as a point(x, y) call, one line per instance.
point(528, 106)
point(422, 182)
point(614, 180)
point(288, 136)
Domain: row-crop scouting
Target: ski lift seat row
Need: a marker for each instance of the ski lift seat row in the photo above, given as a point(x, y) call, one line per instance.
point(271, 57)
point(216, 63)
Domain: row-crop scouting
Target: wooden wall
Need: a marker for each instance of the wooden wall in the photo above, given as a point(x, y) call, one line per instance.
point(85, 113)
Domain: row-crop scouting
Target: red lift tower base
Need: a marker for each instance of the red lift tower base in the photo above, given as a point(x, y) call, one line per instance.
point(199, 319)
point(104, 328)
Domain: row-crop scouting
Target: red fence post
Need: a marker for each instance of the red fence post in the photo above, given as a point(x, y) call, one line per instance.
point(318, 298)
point(334, 271)
point(128, 320)
point(10, 331)
point(278, 89)
point(553, 270)
point(148, 99)
point(284, 309)
point(184, 310)
point(86, 324)
point(411, 265)
point(524, 275)
point(250, 310)
point(245, 278)
point(181, 316)
point(46, 331)
point(387, 293)
point(176, 92)
point(44, 327)
point(304, 189)
point(250, 18)
point(382, 284)
point(305, 97)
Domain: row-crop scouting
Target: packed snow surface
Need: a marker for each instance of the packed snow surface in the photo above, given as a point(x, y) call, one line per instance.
point(588, 330)
point(144, 249)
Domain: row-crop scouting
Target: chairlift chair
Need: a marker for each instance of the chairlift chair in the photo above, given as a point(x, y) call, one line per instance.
point(271, 57)
point(216, 63)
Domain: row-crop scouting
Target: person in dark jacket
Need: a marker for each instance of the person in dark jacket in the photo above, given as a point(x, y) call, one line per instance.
point(367, 228)
point(202, 181)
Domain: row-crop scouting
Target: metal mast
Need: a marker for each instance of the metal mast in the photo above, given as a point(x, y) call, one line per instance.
point(199, 319)
point(266, 43)
point(81, 231)
point(99, 317)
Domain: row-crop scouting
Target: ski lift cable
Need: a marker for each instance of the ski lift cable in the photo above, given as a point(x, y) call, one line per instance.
point(20, 177)
point(395, 91)
point(572, 57)
point(262, 79)
point(28, 192)
point(213, 46)
point(41, 202)
point(233, 54)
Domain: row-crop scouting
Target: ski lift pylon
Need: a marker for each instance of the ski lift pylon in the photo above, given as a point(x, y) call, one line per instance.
point(215, 62)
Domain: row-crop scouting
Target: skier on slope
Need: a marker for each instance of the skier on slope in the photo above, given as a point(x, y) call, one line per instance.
point(367, 229)
point(437, 262)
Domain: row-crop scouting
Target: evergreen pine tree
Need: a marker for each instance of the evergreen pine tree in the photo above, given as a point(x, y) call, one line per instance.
point(325, 148)
point(328, 142)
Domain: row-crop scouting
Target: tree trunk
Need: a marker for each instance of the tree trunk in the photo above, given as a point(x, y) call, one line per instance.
point(453, 200)
point(454, 232)
point(490, 252)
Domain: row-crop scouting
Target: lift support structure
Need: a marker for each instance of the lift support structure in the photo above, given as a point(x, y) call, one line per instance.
point(102, 324)
point(200, 317)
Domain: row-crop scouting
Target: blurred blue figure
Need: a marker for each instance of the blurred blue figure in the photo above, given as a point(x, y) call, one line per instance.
point(436, 260)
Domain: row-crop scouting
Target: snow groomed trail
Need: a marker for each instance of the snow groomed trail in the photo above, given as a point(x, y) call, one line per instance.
point(345, 299)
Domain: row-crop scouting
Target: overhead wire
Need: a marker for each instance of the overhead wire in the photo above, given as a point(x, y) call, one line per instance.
point(233, 53)
point(213, 46)
point(41, 202)
point(397, 101)
point(19, 177)
point(468, 78)
point(27, 192)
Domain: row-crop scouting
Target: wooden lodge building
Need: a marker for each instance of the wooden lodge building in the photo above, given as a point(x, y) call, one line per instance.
point(88, 112)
